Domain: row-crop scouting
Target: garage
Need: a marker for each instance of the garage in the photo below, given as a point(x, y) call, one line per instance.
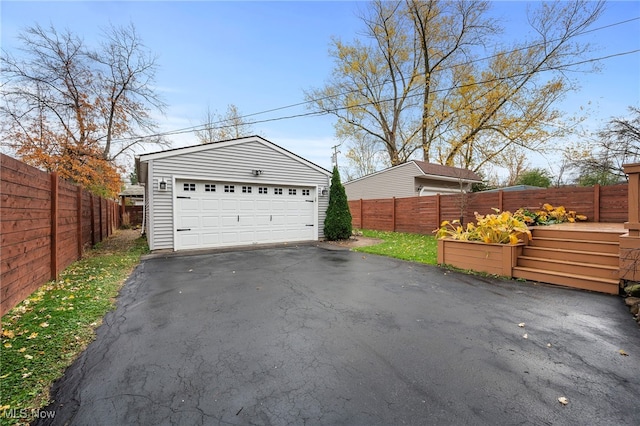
point(239, 192)
point(219, 214)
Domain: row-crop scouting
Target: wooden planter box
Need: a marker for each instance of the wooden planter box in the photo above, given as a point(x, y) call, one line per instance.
point(496, 259)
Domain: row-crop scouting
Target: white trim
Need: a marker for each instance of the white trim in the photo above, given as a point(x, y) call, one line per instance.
point(223, 144)
point(448, 178)
point(174, 215)
point(150, 210)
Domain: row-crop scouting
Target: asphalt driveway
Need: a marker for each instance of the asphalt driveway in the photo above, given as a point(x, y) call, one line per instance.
point(306, 335)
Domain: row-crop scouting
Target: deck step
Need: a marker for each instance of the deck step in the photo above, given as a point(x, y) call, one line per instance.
point(591, 257)
point(573, 244)
point(589, 235)
point(570, 267)
point(610, 286)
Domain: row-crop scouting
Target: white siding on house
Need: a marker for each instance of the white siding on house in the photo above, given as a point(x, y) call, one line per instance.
point(232, 163)
point(395, 182)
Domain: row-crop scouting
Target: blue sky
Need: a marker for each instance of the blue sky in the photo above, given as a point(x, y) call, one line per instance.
point(262, 55)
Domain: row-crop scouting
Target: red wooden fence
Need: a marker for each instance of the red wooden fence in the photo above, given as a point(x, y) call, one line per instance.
point(45, 225)
point(421, 215)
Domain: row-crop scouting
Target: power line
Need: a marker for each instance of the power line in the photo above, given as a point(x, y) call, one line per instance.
point(212, 126)
point(319, 113)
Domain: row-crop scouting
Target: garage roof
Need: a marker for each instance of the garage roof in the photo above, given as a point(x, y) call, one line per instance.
point(141, 161)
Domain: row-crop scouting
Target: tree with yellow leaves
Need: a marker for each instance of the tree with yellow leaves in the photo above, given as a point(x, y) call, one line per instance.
point(425, 83)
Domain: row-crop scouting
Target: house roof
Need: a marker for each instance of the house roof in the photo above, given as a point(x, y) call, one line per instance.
point(132, 191)
point(432, 171)
point(141, 161)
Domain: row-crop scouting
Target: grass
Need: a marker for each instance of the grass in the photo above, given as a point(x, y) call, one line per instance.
point(412, 247)
point(43, 335)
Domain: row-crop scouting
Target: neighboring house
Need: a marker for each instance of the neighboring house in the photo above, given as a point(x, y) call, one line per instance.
point(411, 179)
point(133, 195)
point(231, 193)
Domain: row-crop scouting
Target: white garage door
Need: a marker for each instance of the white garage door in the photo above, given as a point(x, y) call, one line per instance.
point(218, 214)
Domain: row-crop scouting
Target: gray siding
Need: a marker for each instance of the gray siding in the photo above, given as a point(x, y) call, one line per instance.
point(394, 182)
point(232, 163)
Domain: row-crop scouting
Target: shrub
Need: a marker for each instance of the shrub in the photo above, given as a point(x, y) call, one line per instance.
point(337, 224)
point(548, 215)
point(498, 228)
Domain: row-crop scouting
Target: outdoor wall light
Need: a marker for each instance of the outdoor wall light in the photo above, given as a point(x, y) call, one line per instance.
point(256, 172)
point(163, 185)
point(323, 191)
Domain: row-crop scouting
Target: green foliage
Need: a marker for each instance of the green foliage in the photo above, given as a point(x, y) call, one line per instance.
point(133, 177)
point(337, 224)
point(411, 247)
point(43, 334)
point(598, 177)
point(498, 228)
point(535, 177)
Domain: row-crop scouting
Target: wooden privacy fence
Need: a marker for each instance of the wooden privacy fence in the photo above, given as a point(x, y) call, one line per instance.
point(45, 224)
point(422, 215)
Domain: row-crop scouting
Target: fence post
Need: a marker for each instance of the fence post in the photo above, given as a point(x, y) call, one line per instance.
point(361, 215)
point(596, 202)
point(100, 219)
point(438, 215)
point(79, 222)
point(630, 242)
point(54, 226)
point(500, 202)
point(93, 220)
point(393, 215)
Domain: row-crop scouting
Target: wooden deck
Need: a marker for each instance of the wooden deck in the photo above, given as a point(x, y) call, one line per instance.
point(616, 228)
point(580, 255)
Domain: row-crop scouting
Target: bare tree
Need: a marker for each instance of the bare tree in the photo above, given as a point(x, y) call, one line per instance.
point(364, 157)
point(75, 110)
point(124, 90)
point(219, 127)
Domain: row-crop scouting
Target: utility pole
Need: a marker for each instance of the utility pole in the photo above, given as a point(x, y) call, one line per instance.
point(334, 156)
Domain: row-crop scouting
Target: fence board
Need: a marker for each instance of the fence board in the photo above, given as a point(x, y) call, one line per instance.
point(28, 232)
point(424, 214)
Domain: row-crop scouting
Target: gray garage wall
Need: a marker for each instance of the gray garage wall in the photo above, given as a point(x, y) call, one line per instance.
point(226, 162)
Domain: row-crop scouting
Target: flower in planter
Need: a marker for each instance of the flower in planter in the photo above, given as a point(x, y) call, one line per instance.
point(498, 228)
point(548, 215)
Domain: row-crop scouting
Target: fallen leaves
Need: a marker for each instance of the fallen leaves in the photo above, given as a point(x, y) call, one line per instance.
point(563, 400)
point(521, 325)
point(8, 334)
point(623, 353)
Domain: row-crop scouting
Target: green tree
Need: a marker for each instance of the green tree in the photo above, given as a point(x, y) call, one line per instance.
point(337, 224)
point(535, 177)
